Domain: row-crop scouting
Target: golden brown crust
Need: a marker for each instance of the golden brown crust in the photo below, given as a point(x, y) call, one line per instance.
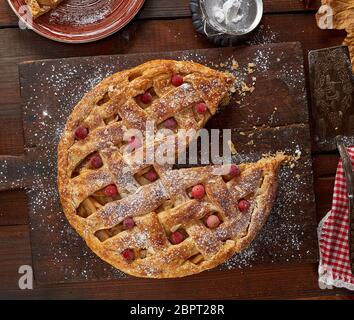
point(40, 7)
point(161, 207)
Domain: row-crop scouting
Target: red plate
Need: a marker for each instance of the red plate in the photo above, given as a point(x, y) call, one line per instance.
point(79, 21)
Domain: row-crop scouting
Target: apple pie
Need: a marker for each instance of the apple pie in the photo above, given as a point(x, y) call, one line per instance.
point(39, 7)
point(152, 220)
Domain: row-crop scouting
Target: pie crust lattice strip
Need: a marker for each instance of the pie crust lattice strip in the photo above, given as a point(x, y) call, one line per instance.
point(153, 220)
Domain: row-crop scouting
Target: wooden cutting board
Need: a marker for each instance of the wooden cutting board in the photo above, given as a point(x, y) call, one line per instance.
point(274, 117)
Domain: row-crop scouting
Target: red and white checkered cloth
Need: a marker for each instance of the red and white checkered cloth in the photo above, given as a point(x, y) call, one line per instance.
point(333, 233)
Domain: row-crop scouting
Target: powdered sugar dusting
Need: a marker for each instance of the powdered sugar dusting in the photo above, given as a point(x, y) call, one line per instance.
point(56, 89)
point(285, 236)
point(67, 84)
point(81, 12)
point(282, 236)
point(263, 35)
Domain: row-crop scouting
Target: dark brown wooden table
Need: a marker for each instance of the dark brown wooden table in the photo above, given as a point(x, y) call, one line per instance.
point(162, 25)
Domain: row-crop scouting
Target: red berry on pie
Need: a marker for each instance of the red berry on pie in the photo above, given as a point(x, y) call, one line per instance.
point(243, 205)
point(170, 124)
point(146, 98)
point(213, 221)
point(111, 191)
point(177, 237)
point(177, 80)
point(198, 191)
point(128, 255)
point(134, 143)
point(128, 223)
point(234, 171)
point(81, 133)
point(201, 108)
point(151, 175)
point(96, 162)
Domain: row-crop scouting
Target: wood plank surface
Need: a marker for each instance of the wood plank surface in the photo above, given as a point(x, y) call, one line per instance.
point(325, 165)
point(145, 35)
point(286, 117)
point(15, 251)
point(279, 98)
point(19, 46)
point(156, 9)
point(13, 170)
point(273, 282)
point(298, 280)
point(13, 209)
point(266, 282)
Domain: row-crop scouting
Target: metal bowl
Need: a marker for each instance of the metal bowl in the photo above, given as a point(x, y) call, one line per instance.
point(205, 22)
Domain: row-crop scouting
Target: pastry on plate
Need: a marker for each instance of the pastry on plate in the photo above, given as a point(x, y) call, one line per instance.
point(39, 7)
point(149, 219)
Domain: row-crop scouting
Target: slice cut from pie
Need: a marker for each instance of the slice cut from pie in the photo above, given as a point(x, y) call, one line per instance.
point(39, 7)
point(151, 220)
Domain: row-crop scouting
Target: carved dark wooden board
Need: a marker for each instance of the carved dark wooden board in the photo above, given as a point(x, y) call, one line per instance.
point(273, 118)
point(332, 92)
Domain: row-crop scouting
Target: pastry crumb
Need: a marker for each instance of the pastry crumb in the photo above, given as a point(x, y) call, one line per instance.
point(251, 68)
point(246, 88)
point(234, 65)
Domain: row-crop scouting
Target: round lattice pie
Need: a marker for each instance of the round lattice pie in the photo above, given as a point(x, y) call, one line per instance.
point(151, 220)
